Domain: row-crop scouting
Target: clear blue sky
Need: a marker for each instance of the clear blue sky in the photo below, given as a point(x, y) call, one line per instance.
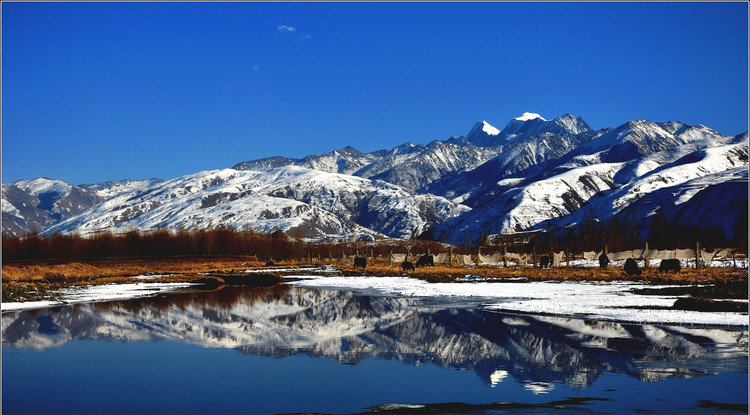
point(109, 91)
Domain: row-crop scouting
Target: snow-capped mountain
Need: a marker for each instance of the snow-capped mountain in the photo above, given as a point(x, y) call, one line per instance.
point(656, 170)
point(527, 125)
point(527, 145)
point(293, 199)
point(534, 173)
point(408, 165)
point(439, 159)
point(34, 205)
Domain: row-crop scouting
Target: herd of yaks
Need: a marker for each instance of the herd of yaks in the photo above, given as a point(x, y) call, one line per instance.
point(631, 266)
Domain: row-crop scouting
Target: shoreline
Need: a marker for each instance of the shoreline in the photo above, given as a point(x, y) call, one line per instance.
point(36, 281)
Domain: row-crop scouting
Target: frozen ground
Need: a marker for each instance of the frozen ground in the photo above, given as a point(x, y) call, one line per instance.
point(95, 293)
point(601, 301)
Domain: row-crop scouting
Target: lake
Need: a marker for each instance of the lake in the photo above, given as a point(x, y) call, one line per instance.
point(287, 349)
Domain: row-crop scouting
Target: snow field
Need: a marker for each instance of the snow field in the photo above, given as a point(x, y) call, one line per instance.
point(600, 301)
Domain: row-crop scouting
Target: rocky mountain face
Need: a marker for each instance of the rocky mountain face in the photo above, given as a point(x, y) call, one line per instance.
point(346, 327)
point(532, 174)
point(34, 205)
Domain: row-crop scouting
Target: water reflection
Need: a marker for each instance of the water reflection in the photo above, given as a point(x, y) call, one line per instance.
point(281, 321)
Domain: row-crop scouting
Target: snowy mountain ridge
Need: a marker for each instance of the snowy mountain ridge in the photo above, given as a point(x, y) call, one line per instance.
point(532, 174)
point(292, 199)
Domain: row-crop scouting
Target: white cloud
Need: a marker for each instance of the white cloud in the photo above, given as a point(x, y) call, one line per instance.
point(283, 28)
point(305, 37)
point(254, 68)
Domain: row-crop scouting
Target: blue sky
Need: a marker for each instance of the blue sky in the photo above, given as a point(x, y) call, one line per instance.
point(110, 91)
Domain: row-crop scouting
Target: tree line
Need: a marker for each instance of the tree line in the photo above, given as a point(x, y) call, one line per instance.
point(157, 243)
point(161, 243)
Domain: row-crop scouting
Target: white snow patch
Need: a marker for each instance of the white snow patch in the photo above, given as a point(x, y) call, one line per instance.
point(601, 301)
point(44, 185)
point(28, 305)
point(96, 293)
point(529, 116)
point(490, 130)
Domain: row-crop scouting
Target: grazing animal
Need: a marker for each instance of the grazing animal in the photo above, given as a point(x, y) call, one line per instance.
point(360, 262)
point(425, 260)
point(407, 266)
point(667, 265)
point(603, 261)
point(631, 267)
point(544, 261)
point(270, 263)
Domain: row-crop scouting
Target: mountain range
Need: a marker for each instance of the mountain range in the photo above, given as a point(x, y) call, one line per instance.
point(532, 174)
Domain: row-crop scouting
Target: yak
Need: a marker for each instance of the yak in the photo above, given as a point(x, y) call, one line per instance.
point(667, 265)
point(407, 266)
point(360, 262)
point(544, 261)
point(603, 261)
point(425, 260)
point(631, 267)
point(270, 263)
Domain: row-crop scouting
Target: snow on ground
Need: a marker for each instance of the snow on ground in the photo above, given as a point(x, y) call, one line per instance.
point(592, 300)
point(601, 301)
point(109, 292)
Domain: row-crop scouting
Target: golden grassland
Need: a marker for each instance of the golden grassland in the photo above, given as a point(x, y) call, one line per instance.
point(29, 280)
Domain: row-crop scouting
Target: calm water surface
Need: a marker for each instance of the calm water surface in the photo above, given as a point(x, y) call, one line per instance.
point(294, 350)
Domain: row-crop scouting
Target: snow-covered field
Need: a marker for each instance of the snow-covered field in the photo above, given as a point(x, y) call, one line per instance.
point(108, 292)
point(600, 301)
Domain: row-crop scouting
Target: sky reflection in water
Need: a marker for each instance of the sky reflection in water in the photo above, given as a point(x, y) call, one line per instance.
point(330, 351)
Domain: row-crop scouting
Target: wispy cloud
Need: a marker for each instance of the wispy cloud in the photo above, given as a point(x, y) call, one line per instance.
point(254, 68)
point(283, 28)
point(305, 37)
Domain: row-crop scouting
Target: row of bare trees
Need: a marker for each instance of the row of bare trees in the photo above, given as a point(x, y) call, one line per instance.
point(158, 243)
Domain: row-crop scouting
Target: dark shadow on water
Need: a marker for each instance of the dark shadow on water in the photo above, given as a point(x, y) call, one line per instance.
point(570, 405)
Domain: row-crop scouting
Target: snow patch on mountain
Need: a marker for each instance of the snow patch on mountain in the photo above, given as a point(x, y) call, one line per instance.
point(528, 116)
point(111, 189)
point(43, 185)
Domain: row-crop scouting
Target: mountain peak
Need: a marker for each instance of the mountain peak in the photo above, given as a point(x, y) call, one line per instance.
point(482, 134)
point(527, 116)
point(484, 127)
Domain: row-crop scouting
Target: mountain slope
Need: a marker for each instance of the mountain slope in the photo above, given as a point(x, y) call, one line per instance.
point(439, 159)
point(292, 199)
point(603, 190)
point(107, 190)
point(524, 150)
point(33, 205)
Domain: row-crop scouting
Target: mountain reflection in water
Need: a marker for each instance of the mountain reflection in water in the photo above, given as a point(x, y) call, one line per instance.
point(283, 321)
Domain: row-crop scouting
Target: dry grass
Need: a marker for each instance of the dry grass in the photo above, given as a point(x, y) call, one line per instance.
point(26, 280)
point(72, 272)
point(651, 275)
